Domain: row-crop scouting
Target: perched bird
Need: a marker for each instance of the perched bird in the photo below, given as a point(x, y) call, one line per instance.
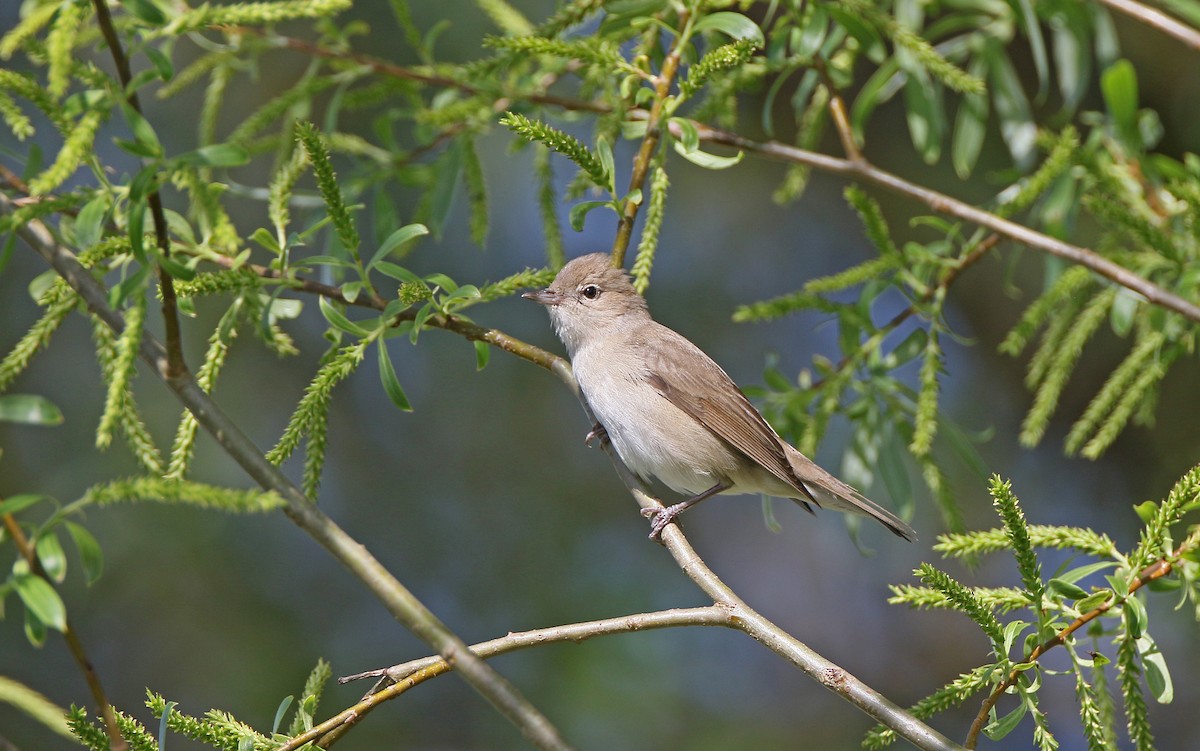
point(670, 411)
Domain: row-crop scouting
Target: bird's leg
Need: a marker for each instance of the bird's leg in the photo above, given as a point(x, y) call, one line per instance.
point(597, 432)
point(661, 517)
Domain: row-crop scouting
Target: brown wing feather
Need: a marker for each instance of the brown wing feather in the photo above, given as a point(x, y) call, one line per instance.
point(714, 400)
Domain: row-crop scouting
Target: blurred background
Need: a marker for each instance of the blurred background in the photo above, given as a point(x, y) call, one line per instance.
point(485, 502)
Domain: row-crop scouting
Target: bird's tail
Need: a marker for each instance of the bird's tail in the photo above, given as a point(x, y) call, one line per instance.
point(830, 492)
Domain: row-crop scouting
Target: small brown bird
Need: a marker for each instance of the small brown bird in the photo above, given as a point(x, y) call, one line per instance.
point(670, 411)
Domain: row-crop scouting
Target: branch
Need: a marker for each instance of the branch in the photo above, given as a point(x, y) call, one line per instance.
point(944, 204)
point(1157, 20)
point(1156, 570)
point(74, 644)
point(410, 674)
point(645, 154)
point(170, 310)
point(401, 603)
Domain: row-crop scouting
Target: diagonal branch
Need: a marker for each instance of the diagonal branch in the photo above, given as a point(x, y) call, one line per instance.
point(944, 204)
point(401, 603)
point(170, 309)
point(1157, 20)
point(74, 643)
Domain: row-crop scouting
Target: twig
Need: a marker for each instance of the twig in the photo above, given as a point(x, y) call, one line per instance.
point(401, 603)
point(74, 643)
point(410, 674)
point(1157, 20)
point(944, 204)
point(837, 109)
point(645, 154)
point(1156, 570)
point(170, 308)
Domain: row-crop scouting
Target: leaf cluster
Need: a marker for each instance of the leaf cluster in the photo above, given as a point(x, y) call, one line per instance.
point(1094, 598)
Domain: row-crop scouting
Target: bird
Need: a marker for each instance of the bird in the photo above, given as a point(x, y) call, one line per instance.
point(670, 411)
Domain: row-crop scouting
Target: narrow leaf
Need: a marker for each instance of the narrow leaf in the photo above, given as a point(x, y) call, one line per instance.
point(391, 384)
point(29, 409)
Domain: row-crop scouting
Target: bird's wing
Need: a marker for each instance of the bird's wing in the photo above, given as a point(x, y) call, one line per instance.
point(710, 396)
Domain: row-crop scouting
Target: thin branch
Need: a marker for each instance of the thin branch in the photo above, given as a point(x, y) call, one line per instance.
point(74, 643)
point(837, 109)
point(944, 204)
point(1156, 570)
point(645, 154)
point(410, 674)
point(1157, 20)
point(170, 308)
point(401, 603)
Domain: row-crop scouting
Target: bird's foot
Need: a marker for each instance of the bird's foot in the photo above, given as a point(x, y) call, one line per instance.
point(660, 518)
point(597, 433)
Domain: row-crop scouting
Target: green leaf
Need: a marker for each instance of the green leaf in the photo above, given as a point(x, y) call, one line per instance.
point(280, 712)
point(397, 272)
point(580, 211)
point(391, 384)
point(706, 160)
point(339, 321)
point(90, 554)
point(143, 132)
point(1158, 677)
point(1001, 727)
point(1119, 86)
point(41, 600)
point(176, 269)
point(1146, 510)
point(145, 10)
point(266, 238)
point(970, 126)
point(35, 630)
point(1067, 589)
point(447, 170)
point(1136, 618)
point(89, 223)
point(1093, 601)
point(162, 63)
point(51, 555)
point(926, 118)
point(1072, 54)
point(21, 502)
point(29, 409)
point(1012, 107)
point(396, 241)
point(483, 352)
point(443, 281)
point(605, 154)
point(1121, 315)
point(892, 469)
point(734, 25)
point(217, 155)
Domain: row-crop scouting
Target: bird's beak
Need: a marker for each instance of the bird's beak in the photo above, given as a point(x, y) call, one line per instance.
point(544, 296)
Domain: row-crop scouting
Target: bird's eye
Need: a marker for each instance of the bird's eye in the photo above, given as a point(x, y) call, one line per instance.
point(591, 292)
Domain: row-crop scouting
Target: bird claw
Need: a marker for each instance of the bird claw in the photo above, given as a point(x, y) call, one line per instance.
point(659, 519)
point(597, 433)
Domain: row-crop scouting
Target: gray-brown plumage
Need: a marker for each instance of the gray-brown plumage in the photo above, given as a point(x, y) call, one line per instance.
point(670, 411)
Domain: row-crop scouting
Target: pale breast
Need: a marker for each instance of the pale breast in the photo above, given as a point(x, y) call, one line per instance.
point(652, 436)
